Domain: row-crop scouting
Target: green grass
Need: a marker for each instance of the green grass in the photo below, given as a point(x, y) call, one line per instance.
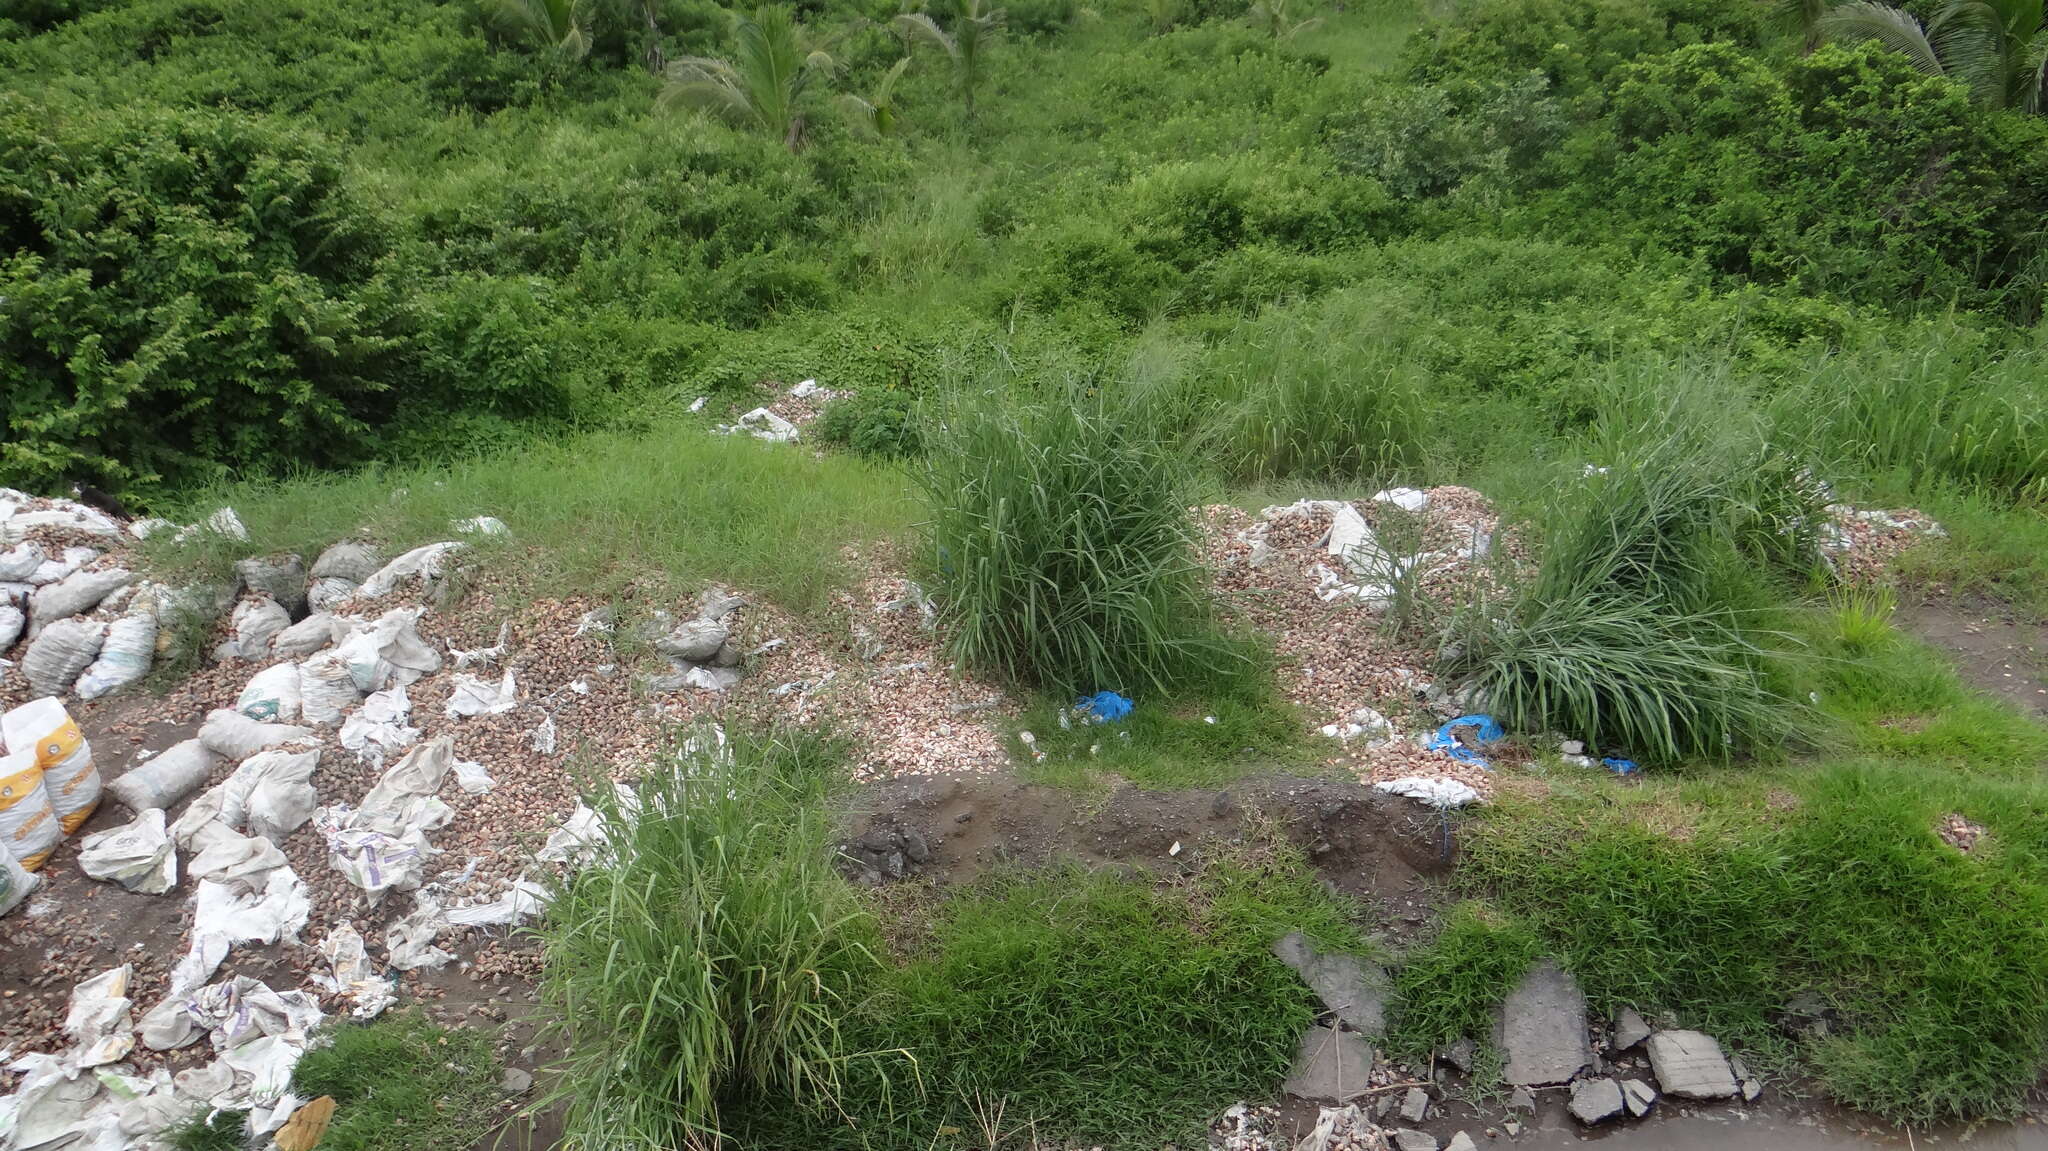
point(1200, 739)
point(673, 505)
point(402, 1084)
point(712, 957)
point(1105, 1010)
point(1061, 550)
point(1449, 989)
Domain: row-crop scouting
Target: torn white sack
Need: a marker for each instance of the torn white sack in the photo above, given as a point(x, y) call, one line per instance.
point(473, 696)
point(137, 855)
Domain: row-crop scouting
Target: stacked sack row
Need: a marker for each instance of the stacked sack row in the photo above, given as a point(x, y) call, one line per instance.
point(48, 789)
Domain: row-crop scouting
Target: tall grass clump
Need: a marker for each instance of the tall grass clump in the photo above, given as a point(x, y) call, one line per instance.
point(1940, 409)
point(1060, 540)
point(708, 954)
point(1639, 630)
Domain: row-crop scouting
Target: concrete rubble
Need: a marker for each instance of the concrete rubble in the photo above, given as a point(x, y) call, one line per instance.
point(1543, 1028)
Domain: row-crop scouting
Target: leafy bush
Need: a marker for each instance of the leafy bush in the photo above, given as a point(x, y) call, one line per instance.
point(1450, 988)
point(188, 294)
point(1061, 548)
point(1576, 44)
point(1427, 140)
point(710, 954)
point(875, 422)
point(1635, 633)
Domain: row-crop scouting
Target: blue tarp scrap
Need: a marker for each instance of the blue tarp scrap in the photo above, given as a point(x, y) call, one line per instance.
point(1445, 740)
point(1104, 707)
point(1620, 766)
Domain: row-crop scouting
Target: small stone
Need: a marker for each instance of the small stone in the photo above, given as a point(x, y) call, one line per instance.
point(694, 641)
point(916, 848)
point(1461, 1142)
point(1352, 989)
point(1415, 1105)
point(1331, 1065)
point(1383, 1107)
point(1513, 1129)
point(1523, 1099)
point(964, 817)
point(1629, 1028)
point(1543, 1028)
point(1751, 1088)
point(1409, 1139)
point(515, 1081)
point(1462, 1054)
point(1572, 747)
point(1595, 1100)
point(1639, 1096)
point(1737, 1067)
point(1690, 1065)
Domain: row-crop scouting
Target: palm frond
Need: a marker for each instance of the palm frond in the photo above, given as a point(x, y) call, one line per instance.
point(2032, 78)
point(1803, 16)
point(707, 84)
point(1858, 21)
point(918, 26)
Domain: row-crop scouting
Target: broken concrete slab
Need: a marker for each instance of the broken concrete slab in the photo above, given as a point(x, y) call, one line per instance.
point(1596, 1100)
point(1639, 1096)
point(1351, 988)
point(1415, 1105)
point(1543, 1028)
point(1629, 1028)
point(1409, 1139)
point(1689, 1064)
point(1751, 1089)
point(1330, 1065)
point(1462, 1054)
point(1461, 1142)
point(1522, 1099)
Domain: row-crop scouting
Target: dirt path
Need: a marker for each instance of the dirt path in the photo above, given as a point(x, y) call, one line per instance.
point(1995, 650)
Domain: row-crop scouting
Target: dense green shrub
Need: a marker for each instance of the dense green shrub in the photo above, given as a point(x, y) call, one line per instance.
point(1575, 44)
point(1061, 549)
point(1427, 140)
point(187, 294)
point(878, 422)
point(1849, 172)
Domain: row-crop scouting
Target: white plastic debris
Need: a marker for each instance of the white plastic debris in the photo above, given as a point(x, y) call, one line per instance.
point(515, 905)
point(409, 942)
point(382, 845)
point(763, 424)
point(225, 522)
point(710, 678)
point(166, 778)
point(472, 777)
point(379, 727)
point(1436, 792)
point(805, 388)
point(272, 695)
point(482, 526)
point(138, 855)
point(389, 652)
point(542, 737)
point(233, 735)
point(579, 841)
point(231, 1014)
point(229, 858)
point(427, 563)
point(483, 656)
point(272, 793)
point(1362, 724)
point(473, 696)
point(98, 1019)
point(351, 973)
point(231, 913)
point(1407, 499)
point(697, 405)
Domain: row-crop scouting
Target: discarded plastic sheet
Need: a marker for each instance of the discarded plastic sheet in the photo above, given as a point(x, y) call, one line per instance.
point(579, 841)
point(389, 652)
point(473, 696)
point(137, 855)
point(1407, 499)
point(1620, 766)
point(280, 911)
point(272, 793)
point(234, 860)
point(98, 1019)
point(1436, 792)
point(409, 942)
point(351, 973)
point(373, 860)
point(1477, 729)
point(378, 728)
point(427, 563)
point(483, 656)
point(542, 737)
point(472, 777)
point(515, 905)
point(482, 526)
point(1104, 707)
point(257, 621)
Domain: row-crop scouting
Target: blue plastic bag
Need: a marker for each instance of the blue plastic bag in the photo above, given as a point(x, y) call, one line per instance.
point(1444, 741)
point(1104, 707)
point(1620, 766)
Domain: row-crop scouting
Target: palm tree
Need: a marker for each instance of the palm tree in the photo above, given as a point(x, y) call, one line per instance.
point(761, 85)
point(878, 109)
point(973, 27)
point(1806, 16)
point(559, 26)
point(1996, 47)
